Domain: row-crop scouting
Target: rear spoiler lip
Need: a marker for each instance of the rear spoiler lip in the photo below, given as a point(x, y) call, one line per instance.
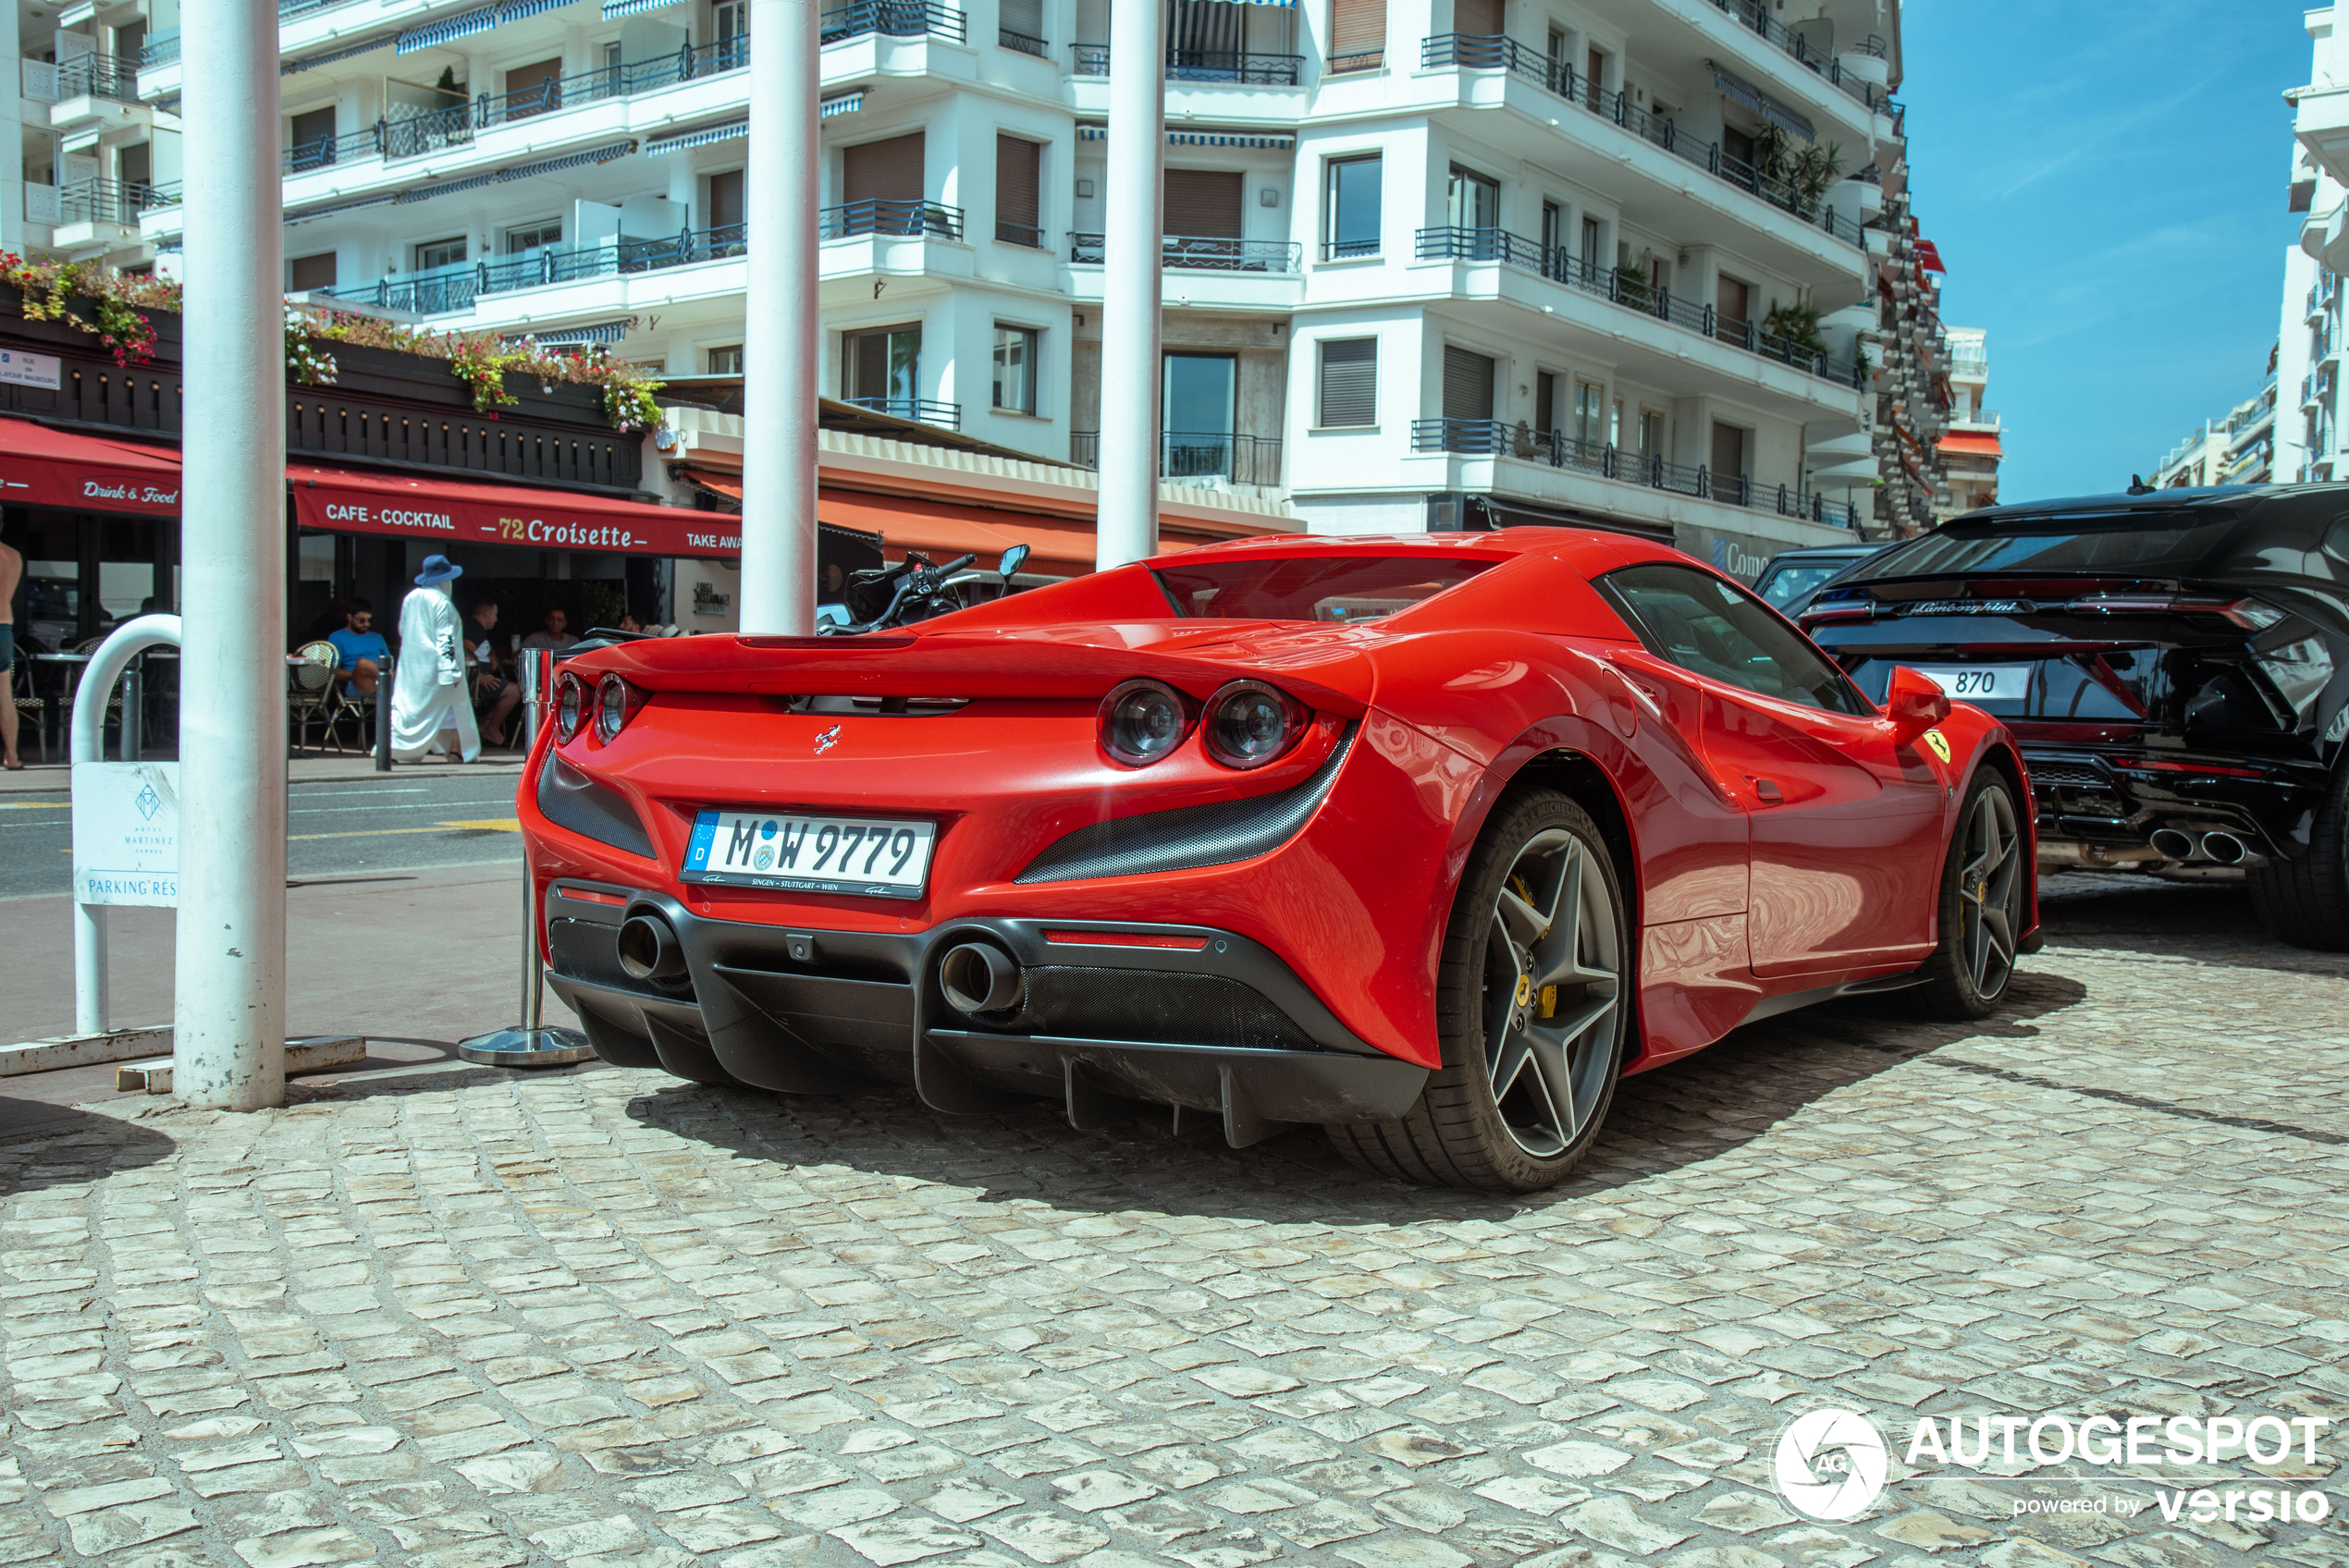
point(1334, 682)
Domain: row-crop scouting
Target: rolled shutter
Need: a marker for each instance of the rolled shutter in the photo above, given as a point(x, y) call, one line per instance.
point(1349, 382)
point(1358, 33)
point(1203, 203)
point(1468, 384)
point(883, 171)
point(1477, 18)
point(1023, 16)
point(1016, 198)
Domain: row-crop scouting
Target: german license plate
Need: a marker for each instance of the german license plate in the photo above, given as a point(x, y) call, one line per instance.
point(810, 855)
point(1981, 682)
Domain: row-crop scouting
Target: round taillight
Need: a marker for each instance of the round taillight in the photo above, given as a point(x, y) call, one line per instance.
point(615, 704)
point(1142, 721)
point(1250, 724)
point(571, 705)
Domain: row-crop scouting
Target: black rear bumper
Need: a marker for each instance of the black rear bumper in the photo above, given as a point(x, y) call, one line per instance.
point(2108, 798)
point(1217, 1025)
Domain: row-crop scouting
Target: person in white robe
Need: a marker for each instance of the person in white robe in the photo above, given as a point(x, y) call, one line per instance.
point(430, 706)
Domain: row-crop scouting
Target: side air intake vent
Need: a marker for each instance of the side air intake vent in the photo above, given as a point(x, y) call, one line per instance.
point(1194, 835)
point(569, 799)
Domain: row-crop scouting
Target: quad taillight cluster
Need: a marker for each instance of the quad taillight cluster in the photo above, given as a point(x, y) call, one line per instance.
point(1246, 724)
point(614, 702)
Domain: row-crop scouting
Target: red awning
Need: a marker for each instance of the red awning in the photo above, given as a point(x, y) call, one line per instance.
point(40, 467)
point(460, 512)
point(1931, 255)
point(1974, 443)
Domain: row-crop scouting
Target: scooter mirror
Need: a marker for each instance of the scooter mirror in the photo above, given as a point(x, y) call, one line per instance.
point(1014, 559)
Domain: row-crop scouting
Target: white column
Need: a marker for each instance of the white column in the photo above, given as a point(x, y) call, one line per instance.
point(1127, 529)
point(781, 344)
point(229, 1009)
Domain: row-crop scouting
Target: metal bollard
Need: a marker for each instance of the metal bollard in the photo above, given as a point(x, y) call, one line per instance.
point(385, 676)
point(530, 1044)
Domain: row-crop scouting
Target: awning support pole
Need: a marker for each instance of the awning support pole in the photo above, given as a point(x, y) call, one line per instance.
point(781, 344)
point(1126, 529)
point(230, 988)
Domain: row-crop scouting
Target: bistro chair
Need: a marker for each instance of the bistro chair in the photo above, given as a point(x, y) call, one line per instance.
point(348, 702)
point(21, 693)
point(310, 688)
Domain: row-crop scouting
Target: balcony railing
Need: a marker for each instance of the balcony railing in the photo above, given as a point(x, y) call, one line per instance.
point(923, 410)
point(329, 151)
point(451, 289)
point(161, 49)
point(102, 200)
point(1243, 460)
point(1363, 60)
point(1630, 291)
point(431, 130)
point(894, 19)
point(1755, 16)
point(1019, 234)
point(906, 219)
point(1199, 252)
point(1496, 438)
point(688, 64)
point(1024, 44)
point(1470, 52)
point(99, 76)
point(289, 9)
point(1205, 64)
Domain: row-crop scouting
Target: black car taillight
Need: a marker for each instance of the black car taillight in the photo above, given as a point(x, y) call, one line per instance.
point(616, 703)
point(1250, 724)
point(1143, 721)
point(2248, 614)
point(571, 705)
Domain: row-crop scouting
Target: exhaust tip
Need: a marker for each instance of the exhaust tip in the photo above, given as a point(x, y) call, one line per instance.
point(649, 949)
point(2174, 844)
point(978, 978)
point(2225, 848)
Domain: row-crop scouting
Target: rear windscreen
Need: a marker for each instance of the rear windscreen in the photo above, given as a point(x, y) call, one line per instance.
point(2138, 543)
point(1343, 588)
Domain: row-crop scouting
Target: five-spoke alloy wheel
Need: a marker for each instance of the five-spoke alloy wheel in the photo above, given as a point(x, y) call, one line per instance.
point(1532, 1007)
point(1983, 887)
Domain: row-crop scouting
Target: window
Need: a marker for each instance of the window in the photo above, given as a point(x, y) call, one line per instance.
point(1015, 368)
point(1018, 184)
point(305, 273)
point(1198, 400)
point(1553, 229)
point(1593, 256)
point(1021, 26)
point(724, 206)
point(1651, 434)
point(1477, 18)
point(1313, 587)
point(1472, 200)
point(434, 253)
point(1589, 411)
point(1615, 424)
point(730, 29)
point(1358, 35)
point(535, 89)
point(1546, 401)
point(1728, 462)
point(1349, 383)
point(727, 361)
point(1710, 628)
point(1468, 386)
point(882, 370)
point(310, 139)
point(533, 237)
point(1352, 208)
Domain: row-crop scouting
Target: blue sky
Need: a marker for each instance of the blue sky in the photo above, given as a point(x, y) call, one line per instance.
point(2106, 179)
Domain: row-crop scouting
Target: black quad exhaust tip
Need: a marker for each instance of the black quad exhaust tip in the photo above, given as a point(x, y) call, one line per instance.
point(978, 978)
point(649, 948)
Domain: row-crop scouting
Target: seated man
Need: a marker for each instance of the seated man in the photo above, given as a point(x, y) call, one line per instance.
point(361, 651)
point(554, 635)
point(495, 696)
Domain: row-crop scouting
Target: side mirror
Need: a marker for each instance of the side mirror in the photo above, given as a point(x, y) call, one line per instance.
point(1014, 559)
point(1914, 702)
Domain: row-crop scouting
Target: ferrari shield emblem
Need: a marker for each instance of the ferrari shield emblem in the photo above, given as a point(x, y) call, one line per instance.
point(1524, 990)
point(1940, 747)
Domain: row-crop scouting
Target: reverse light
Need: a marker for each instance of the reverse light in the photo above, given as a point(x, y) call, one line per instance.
point(616, 703)
point(1142, 721)
point(1250, 724)
point(571, 705)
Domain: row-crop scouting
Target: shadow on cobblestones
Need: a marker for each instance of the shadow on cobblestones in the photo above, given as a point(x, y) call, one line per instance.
point(86, 1148)
point(2211, 922)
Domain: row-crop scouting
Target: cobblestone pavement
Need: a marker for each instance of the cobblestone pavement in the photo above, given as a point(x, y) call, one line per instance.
point(466, 1320)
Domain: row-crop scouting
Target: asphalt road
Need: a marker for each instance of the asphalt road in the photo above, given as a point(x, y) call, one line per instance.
point(336, 826)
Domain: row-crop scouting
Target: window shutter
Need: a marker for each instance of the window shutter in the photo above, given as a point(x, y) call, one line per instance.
point(725, 199)
point(1468, 384)
point(1016, 199)
point(1477, 18)
point(1358, 33)
point(1023, 16)
point(311, 272)
point(883, 171)
point(1204, 202)
point(1349, 382)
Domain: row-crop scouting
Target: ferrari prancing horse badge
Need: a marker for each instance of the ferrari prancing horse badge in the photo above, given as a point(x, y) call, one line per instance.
point(1940, 747)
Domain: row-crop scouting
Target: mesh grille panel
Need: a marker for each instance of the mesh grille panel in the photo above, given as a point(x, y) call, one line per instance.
point(1164, 1007)
point(2067, 773)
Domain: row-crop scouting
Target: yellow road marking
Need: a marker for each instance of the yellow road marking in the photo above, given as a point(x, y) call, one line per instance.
point(493, 824)
point(503, 825)
point(36, 806)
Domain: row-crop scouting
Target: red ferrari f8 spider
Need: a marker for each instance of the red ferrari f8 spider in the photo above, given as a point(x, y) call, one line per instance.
point(1427, 840)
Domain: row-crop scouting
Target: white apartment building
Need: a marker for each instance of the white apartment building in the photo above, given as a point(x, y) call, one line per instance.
point(1429, 263)
point(2235, 448)
point(2308, 435)
point(1971, 450)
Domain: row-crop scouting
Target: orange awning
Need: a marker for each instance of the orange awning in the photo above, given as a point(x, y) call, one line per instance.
point(1972, 443)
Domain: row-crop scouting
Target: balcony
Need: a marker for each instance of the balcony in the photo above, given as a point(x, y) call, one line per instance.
point(1205, 64)
point(1630, 291)
point(98, 76)
point(1755, 16)
point(452, 289)
point(894, 19)
point(1198, 253)
point(1197, 455)
point(893, 219)
point(923, 410)
point(1495, 438)
point(1560, 79)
